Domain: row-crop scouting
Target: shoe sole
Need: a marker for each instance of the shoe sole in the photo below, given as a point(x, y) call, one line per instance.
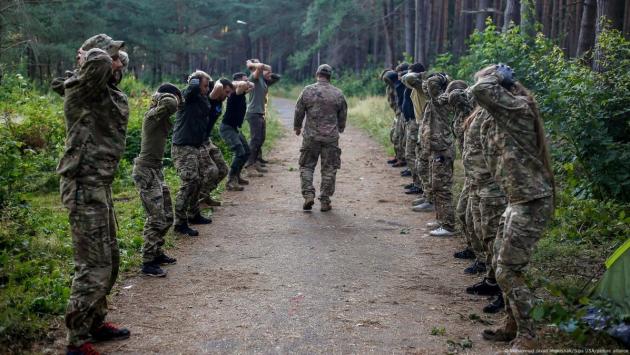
point(152, 275)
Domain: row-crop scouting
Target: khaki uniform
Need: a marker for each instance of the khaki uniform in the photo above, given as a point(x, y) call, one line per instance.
point(187, 161)
point(512, 152)
point(96, 115)
point(442, 152)
point(213, 165)
point(325, 109)
point(148, 177)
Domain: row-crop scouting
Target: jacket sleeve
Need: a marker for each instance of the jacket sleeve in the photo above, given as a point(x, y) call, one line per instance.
point(191, 92)
point(413, 80)
point(96, 71)
point(300, 112)
point(499, 102)
point(342, 114)
point(166, 107)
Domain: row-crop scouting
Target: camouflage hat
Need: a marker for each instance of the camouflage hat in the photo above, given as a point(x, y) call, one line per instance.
point(324, 69)
point(124, 58)
point(104, 42)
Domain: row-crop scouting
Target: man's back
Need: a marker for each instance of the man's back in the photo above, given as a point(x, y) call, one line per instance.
point(325, 109)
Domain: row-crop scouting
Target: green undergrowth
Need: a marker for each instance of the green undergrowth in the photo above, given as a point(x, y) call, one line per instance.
point(36, 263)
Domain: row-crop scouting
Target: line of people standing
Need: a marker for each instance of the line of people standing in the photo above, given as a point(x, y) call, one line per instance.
point(96, 115)
point(507, 196)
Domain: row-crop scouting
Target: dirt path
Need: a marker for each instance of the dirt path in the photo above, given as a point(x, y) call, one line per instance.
point(266, 277)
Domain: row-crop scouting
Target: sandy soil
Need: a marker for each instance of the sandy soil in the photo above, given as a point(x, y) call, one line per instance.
point(267, 277)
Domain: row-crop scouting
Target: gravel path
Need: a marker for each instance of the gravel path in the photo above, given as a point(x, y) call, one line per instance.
point(267, 277)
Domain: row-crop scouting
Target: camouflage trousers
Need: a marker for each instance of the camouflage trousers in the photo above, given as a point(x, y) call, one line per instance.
point(423, 164)
point(331, 161)
point(486, 220)
point(156, 200)
point(464, 215)
point(520, 228)
point(96, 256)
point(213, 169)
point(442, 182)
point(411, 142)
point(187, 165)
point(398, 137)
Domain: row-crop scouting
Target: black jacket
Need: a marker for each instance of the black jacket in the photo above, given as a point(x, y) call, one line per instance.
point(407, 106)
point(191, 124)
point(235, 110)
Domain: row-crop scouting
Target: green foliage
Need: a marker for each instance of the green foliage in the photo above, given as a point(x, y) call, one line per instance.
point(586, 113)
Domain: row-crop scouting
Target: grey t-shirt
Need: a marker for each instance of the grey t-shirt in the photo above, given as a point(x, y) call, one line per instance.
point(256, 102)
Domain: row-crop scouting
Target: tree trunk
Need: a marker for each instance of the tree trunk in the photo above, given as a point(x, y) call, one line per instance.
point(586, 39)
point(512, 14)
point(528, 18)
point(428, 10)
point(626, 21)
point(607, 10)
point(408, 23)
point(482, 14)
point(546, 17)
point(458, 29)
point(387, 27)
point(444, 37)
point(420, 51)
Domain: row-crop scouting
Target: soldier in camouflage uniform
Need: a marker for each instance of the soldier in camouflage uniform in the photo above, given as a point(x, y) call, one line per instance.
point(399, 129)
point(390, 77)
point(96, 115)
point(412, 148)
point(442, 153)
point(516, 152)
point(325, 109)
point(149, 179)
point(189, 134)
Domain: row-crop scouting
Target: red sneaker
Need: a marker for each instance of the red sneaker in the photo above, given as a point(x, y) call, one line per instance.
point(108, 331)
point(84, 349)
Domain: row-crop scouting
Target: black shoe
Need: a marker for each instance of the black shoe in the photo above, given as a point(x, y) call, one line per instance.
point(405, 173)
point(392, 161)
point(163, 259)
point(465, 254)
point(414, 191)
point(408, 186)
point(484, 288)
point(263, 161)
point(199, 219)
point(477, 267)
point(399, 164)
point(184, 229)
point(108, 331)
point(496, 306)
point(153, 270)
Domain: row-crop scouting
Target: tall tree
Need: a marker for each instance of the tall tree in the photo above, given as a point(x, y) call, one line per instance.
point(408, 23)
point(528, 18)
point(586, 39)
point(511, 14)
point(482, 14)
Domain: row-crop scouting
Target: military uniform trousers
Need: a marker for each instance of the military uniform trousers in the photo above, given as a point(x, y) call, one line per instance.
point(158, 207)
point(96, 256)
point(188, 167)
point(258, 134)
point(486, 223)
point(442, 182)
point(411, 141)
point(423, 164)
point(520, 228)
point(330, 155)
point(213, 168)
point(464, 215)
point(399, 137)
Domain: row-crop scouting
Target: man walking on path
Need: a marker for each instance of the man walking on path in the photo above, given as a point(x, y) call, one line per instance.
point(96, 114)
point(325, 109)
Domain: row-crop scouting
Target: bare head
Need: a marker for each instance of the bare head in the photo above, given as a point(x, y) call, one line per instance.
point(204, 81)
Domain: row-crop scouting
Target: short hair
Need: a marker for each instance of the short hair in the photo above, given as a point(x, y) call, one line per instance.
point(456, 84)
point(169, 88)
point(198, 74)
point(402, 67)
point(226, 82)
point(238, 75)
point(416, 68)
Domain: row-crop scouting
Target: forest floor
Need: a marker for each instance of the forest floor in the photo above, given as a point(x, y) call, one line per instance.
point(267, 277)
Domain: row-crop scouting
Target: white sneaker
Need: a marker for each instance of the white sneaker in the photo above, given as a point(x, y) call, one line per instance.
point(418, 201)
point(424, 207)
point(441, 232)
point(434, 224)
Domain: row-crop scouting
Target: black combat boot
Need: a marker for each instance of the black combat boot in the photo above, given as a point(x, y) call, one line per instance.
point(164, 259)
point(477, 267)
point(405, 173)
point(465, 254)
point(308, 203)
point(153, 269)
point(185, 230)
point(108, 331)
point(486, 287)
point(496, 306)
point(199, 219)
point(414, 191)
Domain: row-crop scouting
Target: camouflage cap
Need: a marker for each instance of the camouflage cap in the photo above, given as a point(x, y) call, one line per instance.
point(124, 58)
point(324, 69)
point(104, 42)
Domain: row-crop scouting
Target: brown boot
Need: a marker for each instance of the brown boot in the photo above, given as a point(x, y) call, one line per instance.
point(325, 206)
point(252, 171)
point(210, 202)
point(232, 184)
point(505, 333)
point(241, 181)
point(308, 203)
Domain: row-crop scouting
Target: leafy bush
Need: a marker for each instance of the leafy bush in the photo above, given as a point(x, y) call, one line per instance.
point(586, 113)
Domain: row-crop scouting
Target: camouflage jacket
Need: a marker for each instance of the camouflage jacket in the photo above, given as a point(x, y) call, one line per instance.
point(391, 98)
point(462, 104)
point(155, 128)
point(325, 109)
point(437, 120)
point(510, 142)
point(475, 167)
point(418, 96)
point(96, 114)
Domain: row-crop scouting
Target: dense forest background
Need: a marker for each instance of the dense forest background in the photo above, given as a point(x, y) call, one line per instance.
point(169, 38)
